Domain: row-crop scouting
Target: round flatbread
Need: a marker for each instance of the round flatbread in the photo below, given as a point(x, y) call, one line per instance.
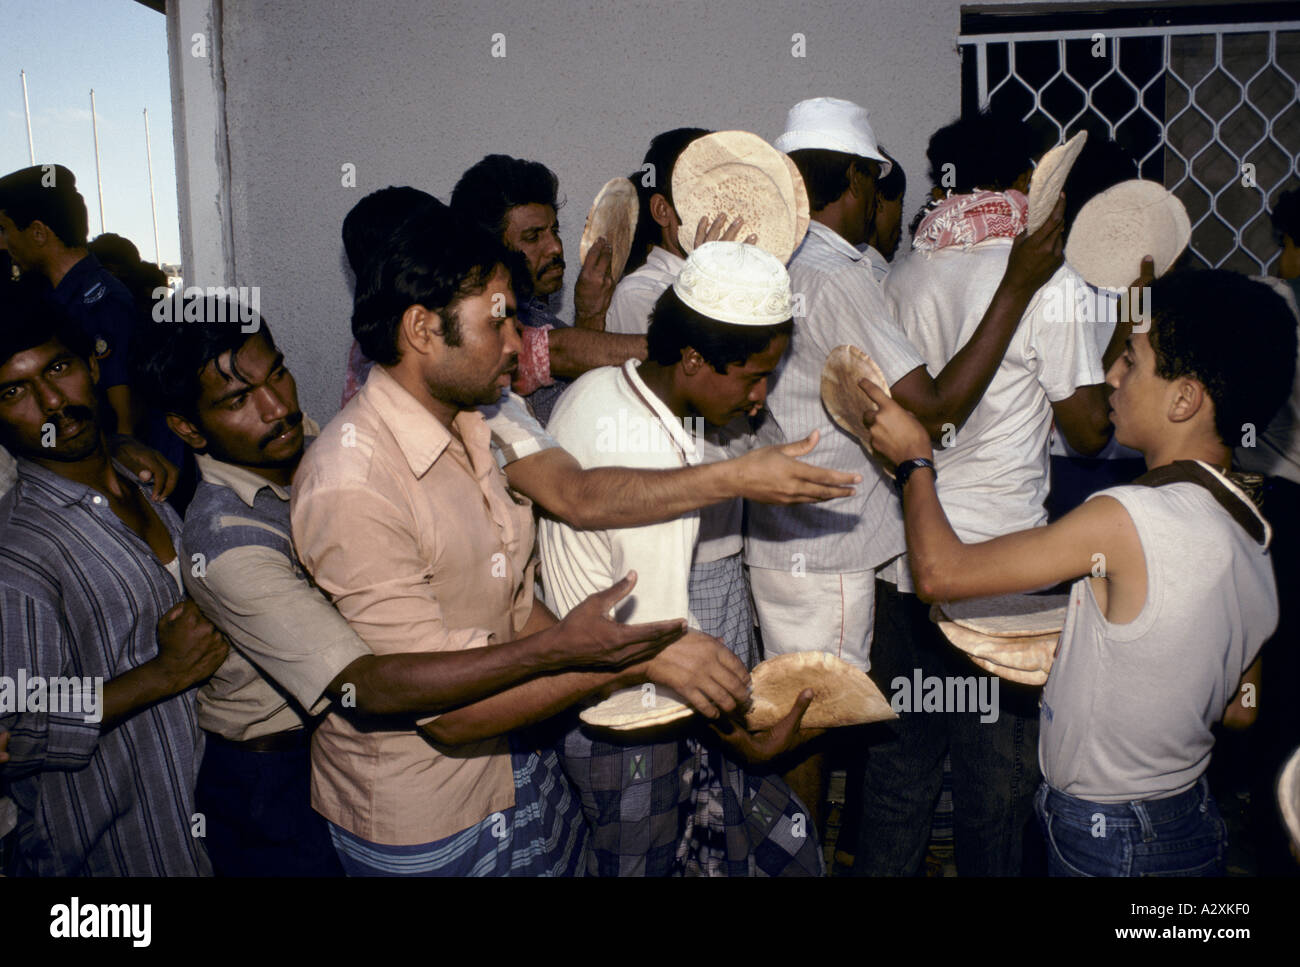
point(1049, 178)
point(842, 694)
point(1116, 228)
point(613, 215)
point(802, 209)
point(1010, 615)
point(843, 397)
point(637, 708)
point(741, 175)
point(1018, 675)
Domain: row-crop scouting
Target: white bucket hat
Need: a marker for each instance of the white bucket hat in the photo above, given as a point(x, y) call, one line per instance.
point(831, 124)
point(736, 283)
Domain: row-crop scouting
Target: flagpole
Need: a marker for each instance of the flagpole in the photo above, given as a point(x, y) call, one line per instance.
point(153, 205)
point(27, 108)
point(99, 178)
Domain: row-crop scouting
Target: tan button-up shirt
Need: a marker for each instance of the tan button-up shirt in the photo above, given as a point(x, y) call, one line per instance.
point(415, 537)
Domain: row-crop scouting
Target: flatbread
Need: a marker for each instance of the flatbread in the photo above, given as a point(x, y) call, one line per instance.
point(613, 215)
point(842, 694)
point(1049, 178)
point(1010, 615)
point(637, 708)
point(1025, 660)
point(802, 208)
point(1288, 798)
point(1116, 228)
point(843, 398)
point(740, 174)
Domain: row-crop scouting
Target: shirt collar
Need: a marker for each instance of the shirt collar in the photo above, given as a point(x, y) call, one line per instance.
point(665, 261)
point(60, 491)
point(834, 239)
point(419, 434)
point(70, 284)
point(672, 423)
point(246, 484)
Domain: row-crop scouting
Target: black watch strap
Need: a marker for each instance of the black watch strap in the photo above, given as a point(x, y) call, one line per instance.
point(907, 468)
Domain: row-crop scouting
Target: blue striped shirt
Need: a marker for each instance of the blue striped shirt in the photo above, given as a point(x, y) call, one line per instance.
point(81, 595)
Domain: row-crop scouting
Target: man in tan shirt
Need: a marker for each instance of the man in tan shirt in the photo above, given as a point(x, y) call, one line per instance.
point(402, 516)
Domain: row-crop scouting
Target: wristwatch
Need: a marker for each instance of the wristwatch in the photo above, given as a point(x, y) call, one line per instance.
point(907, 468)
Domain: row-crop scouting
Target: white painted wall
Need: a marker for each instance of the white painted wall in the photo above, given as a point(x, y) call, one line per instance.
point(410, 94)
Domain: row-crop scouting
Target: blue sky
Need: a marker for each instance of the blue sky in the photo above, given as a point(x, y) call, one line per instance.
point(119, 48)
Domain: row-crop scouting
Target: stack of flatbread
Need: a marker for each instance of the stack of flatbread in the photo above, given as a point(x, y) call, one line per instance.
point(842, 695)
point(1116, 228)
point(1013, 636)
point(739, 174)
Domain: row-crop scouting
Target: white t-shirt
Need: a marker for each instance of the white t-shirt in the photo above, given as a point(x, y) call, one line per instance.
point(636, 293)
point(629, 312)
point(993, 479)
point(1127, 710)
point(610, 418)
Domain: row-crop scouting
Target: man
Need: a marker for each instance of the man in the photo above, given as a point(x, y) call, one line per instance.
point(516, 201)
point(401, 515)
point(1152, 651)
point(90, 593)
point(537, 467)
point(717, 572)
point(43, 223)
point(229, 395)
point(813, 570)
point(1274, 450)
point(995, 480)
point(657, 223)
point(714, 339)
point(887, 224)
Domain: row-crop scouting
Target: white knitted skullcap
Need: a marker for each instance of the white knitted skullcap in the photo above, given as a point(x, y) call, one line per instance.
point(736, 283)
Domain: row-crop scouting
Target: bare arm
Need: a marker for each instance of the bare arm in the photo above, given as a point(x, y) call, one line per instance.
point(431, 683)
point(623, 497)
point(946, 569)
point(954, 393)
point(574, 351)
point(1084, 418)
point(190, 648)
point(697, 666)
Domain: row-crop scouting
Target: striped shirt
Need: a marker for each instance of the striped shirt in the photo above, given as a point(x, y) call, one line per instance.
point(843, 304)
point(81, 595)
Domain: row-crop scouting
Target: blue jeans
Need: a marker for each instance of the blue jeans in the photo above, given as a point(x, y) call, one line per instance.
point(994, 764)
point(1182, 835)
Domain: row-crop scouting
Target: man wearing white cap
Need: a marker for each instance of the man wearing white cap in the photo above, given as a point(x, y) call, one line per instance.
point(813, 570)
point(714, 338)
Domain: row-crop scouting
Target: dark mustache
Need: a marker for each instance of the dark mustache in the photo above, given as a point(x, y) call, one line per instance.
point(281, 428)
point(554, 263)
point(73, 413)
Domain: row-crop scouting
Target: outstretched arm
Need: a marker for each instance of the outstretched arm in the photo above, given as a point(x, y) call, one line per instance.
point(946, 569)
point(604, 497)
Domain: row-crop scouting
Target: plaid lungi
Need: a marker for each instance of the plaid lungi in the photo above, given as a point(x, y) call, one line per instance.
point(681, 806)
point(542, 834)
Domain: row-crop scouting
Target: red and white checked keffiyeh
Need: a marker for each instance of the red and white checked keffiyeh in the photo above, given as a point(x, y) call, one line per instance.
point(966, 219)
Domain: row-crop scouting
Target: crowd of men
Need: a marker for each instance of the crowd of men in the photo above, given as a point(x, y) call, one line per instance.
point(361, 649)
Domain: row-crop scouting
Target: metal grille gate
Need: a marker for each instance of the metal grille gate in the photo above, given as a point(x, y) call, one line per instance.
point(1212, 111)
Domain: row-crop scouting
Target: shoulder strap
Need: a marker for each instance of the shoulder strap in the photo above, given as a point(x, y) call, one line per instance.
point(1232, 495)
